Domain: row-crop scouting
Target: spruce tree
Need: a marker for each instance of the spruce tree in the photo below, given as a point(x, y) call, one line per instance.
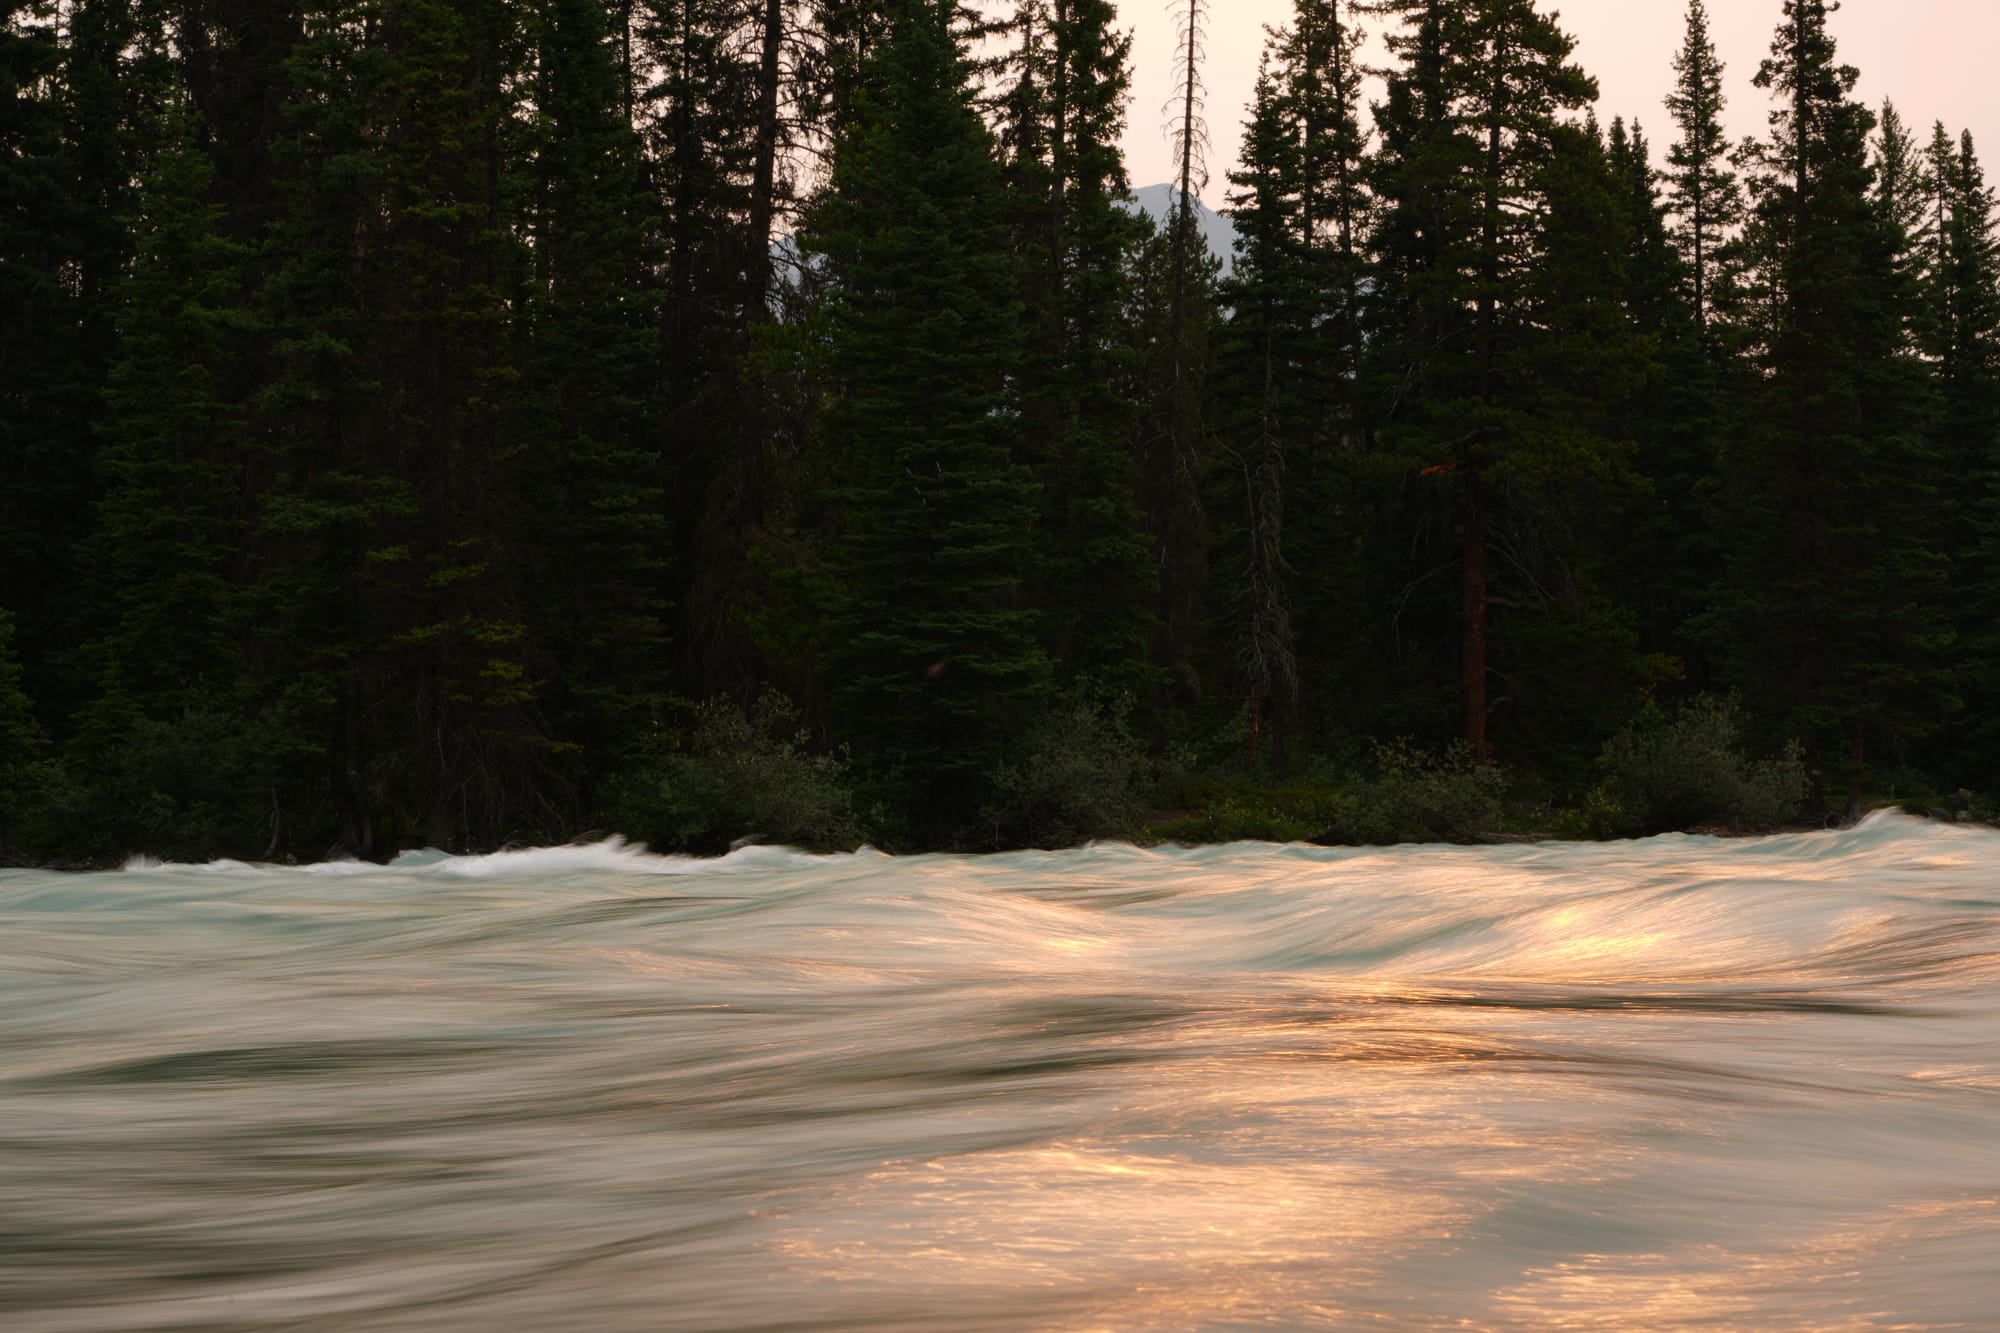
point(933, 656)
point(714, 155)
point(1697, 402)
point(1267, 340)
point(51, 345)
point(1962, 328)
point(1290, 358)
point(1901, 193)
point(584, 439)
point(1173, 423)
point(1664, 549)
point(22, 748)
point(1703, 192)
point(1474, 113)
point(1076, 237)
point(395, 617)
point(1831, 615)
point(171, 527)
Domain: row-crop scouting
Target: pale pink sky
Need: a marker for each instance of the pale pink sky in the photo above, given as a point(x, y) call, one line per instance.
point(1934, 58)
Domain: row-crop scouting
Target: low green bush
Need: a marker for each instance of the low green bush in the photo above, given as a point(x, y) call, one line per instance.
point(739, 775)
point(1424, 796)
point(1680, 770)
point(1077, 774)
point(1413, 796)
point(1250, 812)
point(210, 780)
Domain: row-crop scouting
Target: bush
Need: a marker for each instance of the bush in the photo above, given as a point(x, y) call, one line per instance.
point(1248, 812)
point(1076, 775)
point(1680, 771)
point(738, 776)
point(207, 781)
point(1415, 796)
point(1420, 796)
point(21, 746)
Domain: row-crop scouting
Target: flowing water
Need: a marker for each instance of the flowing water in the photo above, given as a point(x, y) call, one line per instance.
point(1676, 1084)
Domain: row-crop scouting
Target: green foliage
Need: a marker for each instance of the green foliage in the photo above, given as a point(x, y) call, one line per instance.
point(1248, 812)
point(1429, 796)
point(1076, 773)
point(933, 653)
point(194, 785)
point(1412, 795)
point(740, 775)
point(23, 747)
point(1831, 612)
point(1681, 769)
point(401, 401)
point(1065, 178)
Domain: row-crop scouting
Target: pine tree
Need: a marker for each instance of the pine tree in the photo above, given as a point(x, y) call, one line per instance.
point(1473, 113)
point(38, 465)
point(1703, 193)
point(1962, 341)
point(1901, 194)
point(1172, 331)
point(171, 526)
point(394, 614)
point(1694, 407)
point(1291, 356)
point(933, 657)
point(1832, 616)
point(1174, 426)
point(1268, 339)
point(22, 746)
point(1068, 182)
point(715, 143)
point(593, 545)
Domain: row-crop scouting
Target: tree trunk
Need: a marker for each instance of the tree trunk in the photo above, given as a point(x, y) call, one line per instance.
point(764, 180)
point(1256, 724)
point(1474, 649)
point(1857, 772)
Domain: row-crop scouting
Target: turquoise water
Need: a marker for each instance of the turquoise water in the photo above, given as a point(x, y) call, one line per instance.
point(1676, 1084)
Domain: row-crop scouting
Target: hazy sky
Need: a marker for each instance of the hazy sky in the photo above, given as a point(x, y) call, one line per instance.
point(1934, 58)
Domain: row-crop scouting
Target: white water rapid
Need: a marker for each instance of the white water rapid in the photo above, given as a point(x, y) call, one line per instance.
point(1680, 1084)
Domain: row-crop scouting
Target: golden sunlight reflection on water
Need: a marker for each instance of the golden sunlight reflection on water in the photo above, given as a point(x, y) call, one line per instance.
point(1681, 1085)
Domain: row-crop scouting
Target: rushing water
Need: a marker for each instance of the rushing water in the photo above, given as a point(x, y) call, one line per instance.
point(1677, 1084)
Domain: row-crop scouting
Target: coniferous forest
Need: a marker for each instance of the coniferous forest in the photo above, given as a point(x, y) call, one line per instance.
point(470, 422)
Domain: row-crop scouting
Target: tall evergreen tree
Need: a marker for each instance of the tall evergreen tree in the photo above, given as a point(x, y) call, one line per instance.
point(171, 525)
point(934, 655)
point(1292, 354)
point(1962, 341)
point(1832, 614)
point(1703, 192)
point(1901, 194)
point(22, 747)
point(1173, 441)
point(39, 466)
point(1473, 117)
point(1665, 551)
point(593, 543)
point(382, 525)
point(1077, 237)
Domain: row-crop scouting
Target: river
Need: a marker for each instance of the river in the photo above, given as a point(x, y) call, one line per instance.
point(1683, 1083)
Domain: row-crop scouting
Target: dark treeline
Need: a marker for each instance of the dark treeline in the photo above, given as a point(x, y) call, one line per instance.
point(472, 421)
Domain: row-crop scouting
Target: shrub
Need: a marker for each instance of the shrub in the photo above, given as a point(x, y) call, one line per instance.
point(1248, 812)
point(1420, 796)
point(1076, 775)
point(739, 775)
point(1674, 772)
point(21, 744)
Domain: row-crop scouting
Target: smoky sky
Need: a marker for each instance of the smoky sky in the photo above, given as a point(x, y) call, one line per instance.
point(1932, 58)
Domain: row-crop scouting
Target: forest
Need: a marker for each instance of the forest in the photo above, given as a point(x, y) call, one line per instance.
point(480, 422)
